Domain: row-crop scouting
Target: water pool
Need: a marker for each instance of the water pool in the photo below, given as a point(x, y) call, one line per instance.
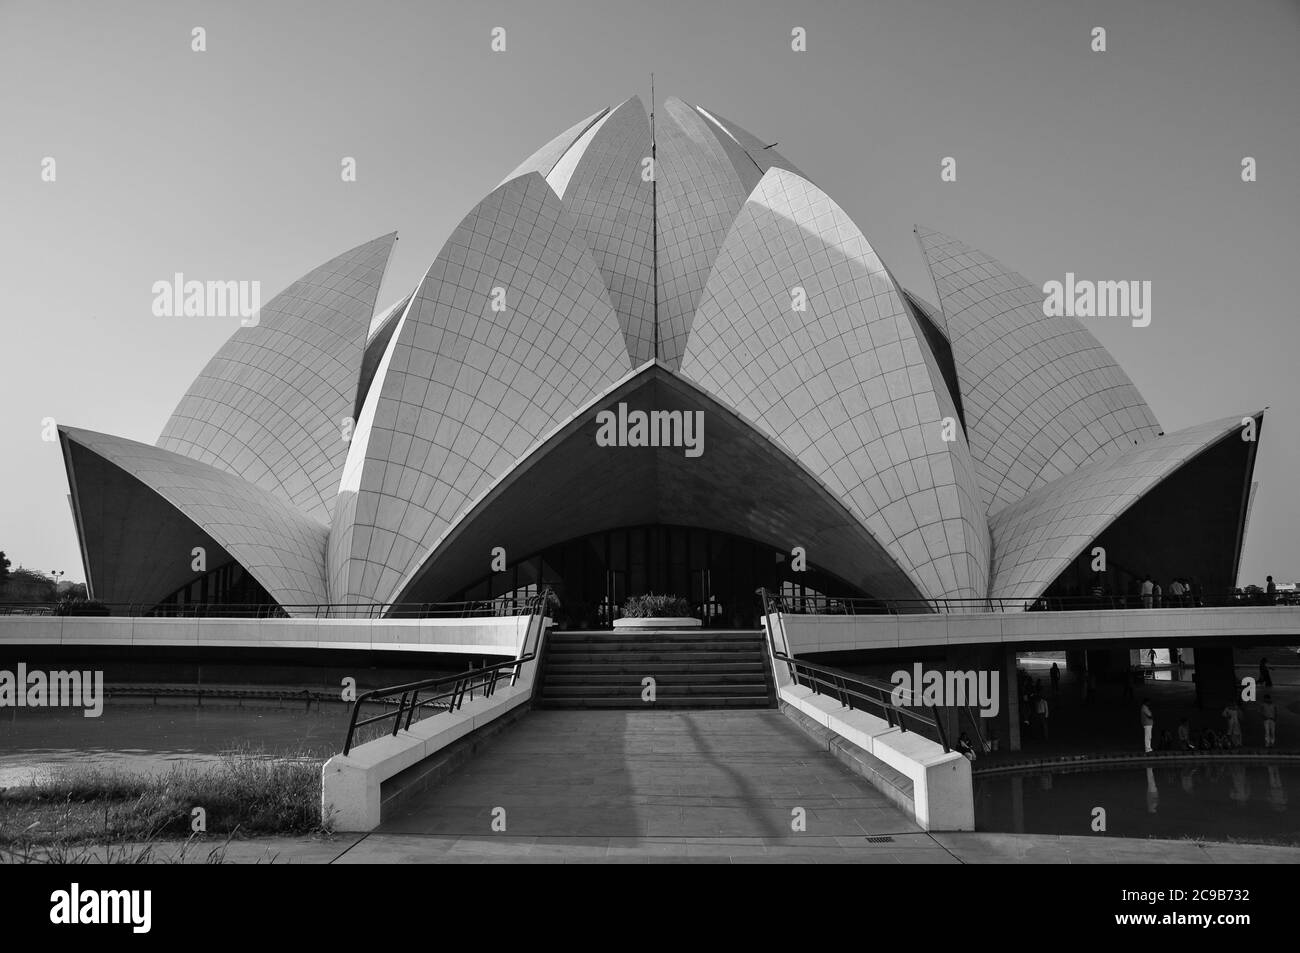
point(1222, 800)
point(145, 738)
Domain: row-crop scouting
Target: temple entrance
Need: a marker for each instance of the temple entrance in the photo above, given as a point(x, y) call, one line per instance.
point(717, 573)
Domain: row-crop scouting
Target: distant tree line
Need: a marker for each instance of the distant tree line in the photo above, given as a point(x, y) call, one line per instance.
point(28, 585)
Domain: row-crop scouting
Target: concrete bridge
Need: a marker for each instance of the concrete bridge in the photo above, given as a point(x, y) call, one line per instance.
point(798, 760)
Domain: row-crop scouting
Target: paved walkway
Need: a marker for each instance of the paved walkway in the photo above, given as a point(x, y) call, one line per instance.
point(648, 787)
point(950, 848)
point(649, 774)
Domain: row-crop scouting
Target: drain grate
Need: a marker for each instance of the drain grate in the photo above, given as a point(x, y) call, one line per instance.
point(880, 839)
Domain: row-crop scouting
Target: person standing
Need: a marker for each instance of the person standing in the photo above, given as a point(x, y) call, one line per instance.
point(1270, 591)
point(1269, 711)
point(1233, 716)
point(1157, 592)
point(1185, 735)
point(1176, 592)
point(1148, 723)
point(1043, 713)
point(1265, 676)
point(1147, 590)
point(1056, 679)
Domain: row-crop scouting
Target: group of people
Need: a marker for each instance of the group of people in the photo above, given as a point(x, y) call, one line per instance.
point(1230, 737)
point(1035, 710)
point(1182, 592)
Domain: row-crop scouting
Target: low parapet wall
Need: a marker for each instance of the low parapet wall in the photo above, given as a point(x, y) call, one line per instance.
point(809, 634)
point(941, 795)
point(498, 635)
point(357, 788)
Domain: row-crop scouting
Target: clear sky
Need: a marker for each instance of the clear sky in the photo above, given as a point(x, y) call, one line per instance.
point(226, 165)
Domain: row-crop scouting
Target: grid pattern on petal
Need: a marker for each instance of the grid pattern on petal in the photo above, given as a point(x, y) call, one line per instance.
point(1042, 397)
point(544, 159)
point(614, 210)
point(280, 546)
point(269, 406)
point(752, 149)
point(847, 387)
point(469, 390)
point(1036, 538)
point(699, 195)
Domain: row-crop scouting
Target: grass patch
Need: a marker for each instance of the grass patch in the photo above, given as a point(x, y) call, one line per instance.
point(188, 852)
point(241, 793)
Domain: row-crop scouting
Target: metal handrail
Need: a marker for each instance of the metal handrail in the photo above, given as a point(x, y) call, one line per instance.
point(818, 604)
point(448, 691)
point(847, 687)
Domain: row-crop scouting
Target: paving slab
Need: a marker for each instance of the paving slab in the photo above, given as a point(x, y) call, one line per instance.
point(652, 774)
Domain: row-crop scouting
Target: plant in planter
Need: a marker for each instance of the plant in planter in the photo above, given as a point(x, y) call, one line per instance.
point(655, 606)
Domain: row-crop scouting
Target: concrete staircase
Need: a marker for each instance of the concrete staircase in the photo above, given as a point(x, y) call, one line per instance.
point(701, 668)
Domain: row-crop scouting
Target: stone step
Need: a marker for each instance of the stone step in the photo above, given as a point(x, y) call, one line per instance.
point(662, 690)
point(665, 646)
point(693, 669)
point(677, 678)
point(691, 702)
point(635, 658)
point(646, 668)
point(700, 635)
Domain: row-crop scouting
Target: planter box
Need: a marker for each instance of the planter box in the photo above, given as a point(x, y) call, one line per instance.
point(671, 622)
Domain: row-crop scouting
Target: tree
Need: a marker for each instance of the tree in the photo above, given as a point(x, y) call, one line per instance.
point(4, 568)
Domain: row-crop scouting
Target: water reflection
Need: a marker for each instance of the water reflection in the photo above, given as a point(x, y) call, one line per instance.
point(1219, 800)
point(144, 738)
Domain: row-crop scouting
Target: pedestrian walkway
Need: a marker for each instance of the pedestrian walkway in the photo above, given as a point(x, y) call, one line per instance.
point(639, 774)
point(939, 848)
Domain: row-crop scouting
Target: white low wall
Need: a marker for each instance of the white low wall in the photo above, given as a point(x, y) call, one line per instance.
point(474, 636)
point(352, 784)
point(844, 633)
point(943, 797)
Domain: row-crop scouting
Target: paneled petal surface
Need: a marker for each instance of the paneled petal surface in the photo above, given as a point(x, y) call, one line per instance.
point(570, 485)
point(1041, 396)
point(543, 160)
point(751, 156)
point(466, 389)
point(269, 407)
point(280, 546)
point(614, 210)
point(847, 387)
point(698, 197)
point(1035, 539)
point(381, 332)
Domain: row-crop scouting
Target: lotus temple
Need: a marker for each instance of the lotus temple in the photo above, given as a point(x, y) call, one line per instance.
point(915, 448)
point(658, 371)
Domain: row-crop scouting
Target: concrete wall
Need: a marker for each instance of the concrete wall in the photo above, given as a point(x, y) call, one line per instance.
point(942, 793)
point(478, 636)
point(841, 633)
point(356, 787)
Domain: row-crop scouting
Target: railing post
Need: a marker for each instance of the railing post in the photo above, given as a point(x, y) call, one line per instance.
point(352, 727)
point(401, 707)
point(943, 732)
point(415, 698)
